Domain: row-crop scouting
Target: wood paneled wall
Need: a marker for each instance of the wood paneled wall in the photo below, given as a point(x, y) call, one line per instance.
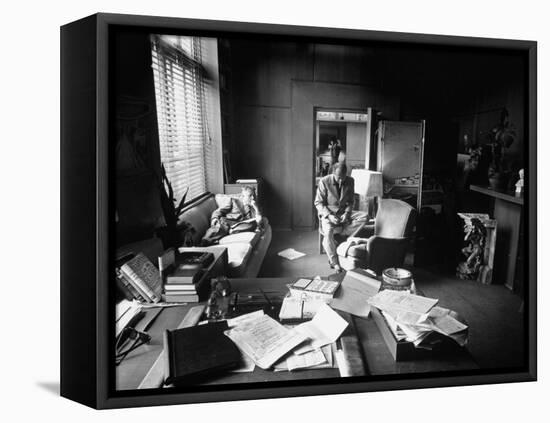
point(276, 87)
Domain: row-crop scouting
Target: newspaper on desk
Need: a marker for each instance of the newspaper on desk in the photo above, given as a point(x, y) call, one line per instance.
point(264, 339)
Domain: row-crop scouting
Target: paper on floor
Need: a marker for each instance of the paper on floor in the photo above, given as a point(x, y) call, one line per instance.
point(290, 254)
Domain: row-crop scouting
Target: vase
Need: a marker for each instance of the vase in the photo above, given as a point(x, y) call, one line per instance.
point(496, 181)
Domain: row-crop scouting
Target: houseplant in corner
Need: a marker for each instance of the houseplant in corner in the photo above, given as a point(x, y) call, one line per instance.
point(501, 137)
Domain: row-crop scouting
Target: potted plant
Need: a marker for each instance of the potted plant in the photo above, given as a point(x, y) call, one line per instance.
point(501, 137)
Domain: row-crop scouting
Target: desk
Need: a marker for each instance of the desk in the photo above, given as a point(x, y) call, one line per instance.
point(131, 372)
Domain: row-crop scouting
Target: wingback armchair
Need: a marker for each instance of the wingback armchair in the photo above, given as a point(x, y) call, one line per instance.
point(383, 244)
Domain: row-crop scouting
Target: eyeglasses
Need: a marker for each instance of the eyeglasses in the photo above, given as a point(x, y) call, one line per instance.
point(127, 341)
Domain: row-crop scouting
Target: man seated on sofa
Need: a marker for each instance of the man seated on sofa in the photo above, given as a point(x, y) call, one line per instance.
point(334, 203)
point(236, 216)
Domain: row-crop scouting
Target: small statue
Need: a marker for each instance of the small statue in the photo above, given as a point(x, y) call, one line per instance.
point(519, 183)
point(473, 252)
point(218, 302)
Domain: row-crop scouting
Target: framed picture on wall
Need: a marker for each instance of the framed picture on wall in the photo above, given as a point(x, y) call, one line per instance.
point(213, 247)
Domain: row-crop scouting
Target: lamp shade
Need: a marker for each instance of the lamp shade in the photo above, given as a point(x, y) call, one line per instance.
point(367, 182)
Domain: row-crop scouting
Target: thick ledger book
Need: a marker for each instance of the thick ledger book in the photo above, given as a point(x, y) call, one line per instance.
point(198, 351)
point(144, 277)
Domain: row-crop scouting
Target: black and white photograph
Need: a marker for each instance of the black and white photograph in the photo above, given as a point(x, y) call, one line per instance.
point(316, 210)
point(290, 211)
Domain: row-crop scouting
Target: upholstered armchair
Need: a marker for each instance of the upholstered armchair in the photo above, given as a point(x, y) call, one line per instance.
point(383, 244)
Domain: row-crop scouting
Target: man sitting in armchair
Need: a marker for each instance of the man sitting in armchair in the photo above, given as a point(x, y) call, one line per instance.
point(334, 203)
point(233, 217)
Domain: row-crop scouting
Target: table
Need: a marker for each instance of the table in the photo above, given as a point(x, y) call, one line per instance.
point(377, 358)
point(508, 212)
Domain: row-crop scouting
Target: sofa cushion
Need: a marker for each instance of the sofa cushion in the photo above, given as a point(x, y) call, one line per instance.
point(349, 249)
point(237, 257)
point(240, 238)
point(223, 200)
point(198, 217)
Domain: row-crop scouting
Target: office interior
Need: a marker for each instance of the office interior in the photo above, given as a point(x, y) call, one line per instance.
point(264, 96)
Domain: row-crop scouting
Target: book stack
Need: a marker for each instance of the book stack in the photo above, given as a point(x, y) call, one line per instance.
point(140, 279)
point(181, 286)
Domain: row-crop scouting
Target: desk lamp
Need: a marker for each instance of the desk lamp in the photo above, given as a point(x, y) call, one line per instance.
point(368, 184)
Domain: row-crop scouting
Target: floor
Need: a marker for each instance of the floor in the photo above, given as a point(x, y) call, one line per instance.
point(492, 311)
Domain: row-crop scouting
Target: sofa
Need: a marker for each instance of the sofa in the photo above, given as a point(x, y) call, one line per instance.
point(246, 250)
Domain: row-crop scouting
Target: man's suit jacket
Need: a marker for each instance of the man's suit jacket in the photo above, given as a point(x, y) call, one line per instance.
point(327, 200)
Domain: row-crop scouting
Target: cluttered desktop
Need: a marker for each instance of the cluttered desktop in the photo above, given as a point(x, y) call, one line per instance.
point(273, 329)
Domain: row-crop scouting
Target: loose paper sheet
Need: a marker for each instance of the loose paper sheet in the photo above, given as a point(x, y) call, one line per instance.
point(354, 292)
point(399, 301)
point(325, 328)
point(305, 361)
point(264, 340)
point(302, 361)
point(297, 308)
point(290, 254)
point(442, 320)
point(245, 318)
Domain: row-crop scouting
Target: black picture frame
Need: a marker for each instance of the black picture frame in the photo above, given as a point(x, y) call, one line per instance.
point(86, 207)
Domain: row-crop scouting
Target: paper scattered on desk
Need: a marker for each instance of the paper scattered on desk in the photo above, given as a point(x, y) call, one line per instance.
point(307, 361)
point(414, 326)
point(354, 292)
point(399, 301)
point(302, 361)
point(325, 328)
point(245, 318)
point(443, 320)
point(294, 308)
point(264, 340)
point(291, 254)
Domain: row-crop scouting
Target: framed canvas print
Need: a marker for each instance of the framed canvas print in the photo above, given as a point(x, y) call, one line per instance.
point(256, 211)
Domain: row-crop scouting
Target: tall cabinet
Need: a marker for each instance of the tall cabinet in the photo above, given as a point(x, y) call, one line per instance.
point(400, 155)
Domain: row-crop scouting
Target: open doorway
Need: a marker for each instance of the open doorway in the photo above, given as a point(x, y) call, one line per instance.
point(341, 136)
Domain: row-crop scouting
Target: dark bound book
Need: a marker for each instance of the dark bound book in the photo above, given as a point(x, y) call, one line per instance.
point(185, 274)
point(198, 351)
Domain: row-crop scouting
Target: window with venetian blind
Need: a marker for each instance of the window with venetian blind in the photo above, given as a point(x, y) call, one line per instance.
point(182, 121)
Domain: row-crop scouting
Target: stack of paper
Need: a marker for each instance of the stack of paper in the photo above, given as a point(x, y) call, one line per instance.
point(264, 339)
point(267, 343)
point(413, 318)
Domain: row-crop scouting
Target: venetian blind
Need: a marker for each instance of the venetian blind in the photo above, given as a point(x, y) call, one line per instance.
point(179, 90)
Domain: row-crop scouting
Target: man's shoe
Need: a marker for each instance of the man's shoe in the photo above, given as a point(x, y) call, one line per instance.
point(336, 268)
